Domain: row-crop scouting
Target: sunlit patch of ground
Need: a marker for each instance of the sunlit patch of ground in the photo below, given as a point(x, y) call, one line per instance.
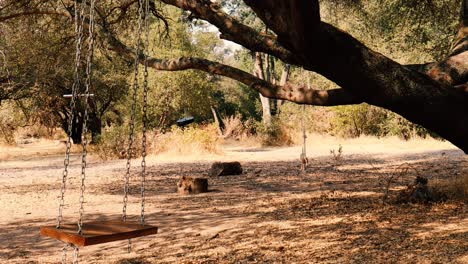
point(271, 214)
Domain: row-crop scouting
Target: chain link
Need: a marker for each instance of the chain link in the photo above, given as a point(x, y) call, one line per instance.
point(144, 116)
point(131, 136)
point(79, 13)
point(64, 253)
point(304, 133)
point(76, 252)
point(89, 64)
point(303, 157)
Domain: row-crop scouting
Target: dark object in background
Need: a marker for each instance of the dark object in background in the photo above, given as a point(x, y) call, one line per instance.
point(225, 168)
point(419, 192)
point(185, 121)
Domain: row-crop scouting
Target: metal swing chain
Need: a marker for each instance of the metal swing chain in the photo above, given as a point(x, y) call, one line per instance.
point(304, 134)
point(79, 13)
point(132, 114)
point(64, 253)
point(76, 252)
point(145, 110)
point(303, 156)
point(131, 136)
point(89, 64)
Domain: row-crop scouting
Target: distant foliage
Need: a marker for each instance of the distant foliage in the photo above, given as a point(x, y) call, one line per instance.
point(191, 140)
point(237, 129)
point(7, 128)
point(113, 143)
point(276, 134)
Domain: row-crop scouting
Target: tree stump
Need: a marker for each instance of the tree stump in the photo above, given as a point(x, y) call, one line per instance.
point(191, 185)
point(225, 169)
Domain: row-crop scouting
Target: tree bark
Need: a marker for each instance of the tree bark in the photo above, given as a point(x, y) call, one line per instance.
point(284, 79)
point(265, 101)
point(218, 120)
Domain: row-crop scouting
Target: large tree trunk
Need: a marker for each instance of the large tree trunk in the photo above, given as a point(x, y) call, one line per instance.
point(218, 120)
point(77, 130)
point(367, 74)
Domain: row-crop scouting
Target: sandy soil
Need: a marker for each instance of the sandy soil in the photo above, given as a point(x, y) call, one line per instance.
point(271, 214)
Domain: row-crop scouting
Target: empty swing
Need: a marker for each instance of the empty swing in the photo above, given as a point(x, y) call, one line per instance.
point(82, 233)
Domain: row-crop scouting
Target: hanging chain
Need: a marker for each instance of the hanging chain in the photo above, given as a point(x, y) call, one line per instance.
point(304, 133)
point(79, 13)
point(76, 252)
point(132, 115)
point(145, 110)
point(303, 157)
point(131, 136)
point(64, 253)
point(89, 64)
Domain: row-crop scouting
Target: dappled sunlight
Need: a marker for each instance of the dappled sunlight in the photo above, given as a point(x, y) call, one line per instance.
point(273, 213)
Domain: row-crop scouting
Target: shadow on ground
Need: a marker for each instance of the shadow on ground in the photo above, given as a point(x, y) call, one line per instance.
point(333, 213)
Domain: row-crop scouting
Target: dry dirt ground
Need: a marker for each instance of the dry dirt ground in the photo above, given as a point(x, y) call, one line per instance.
point(271, 214)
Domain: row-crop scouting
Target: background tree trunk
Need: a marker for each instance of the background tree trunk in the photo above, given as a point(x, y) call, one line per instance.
point(260, 73)
point(218, 120)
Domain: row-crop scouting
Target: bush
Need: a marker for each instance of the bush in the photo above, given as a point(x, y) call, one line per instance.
point(191, 140)
point(113, 143)
point(237, 129)
point(277, 134)
point(455, 188)
point(363, 119)
point(8, 123)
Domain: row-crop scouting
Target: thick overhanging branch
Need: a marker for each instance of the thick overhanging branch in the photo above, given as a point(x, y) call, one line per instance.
point(233, 30)
point(452, 71)
point(296, 94)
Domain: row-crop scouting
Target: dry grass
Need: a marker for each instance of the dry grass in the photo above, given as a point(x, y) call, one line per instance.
point(188, 141)
point(34, 148)
point(455, 187)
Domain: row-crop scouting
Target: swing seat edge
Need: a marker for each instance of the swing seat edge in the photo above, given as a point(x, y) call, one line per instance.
point(98, 232)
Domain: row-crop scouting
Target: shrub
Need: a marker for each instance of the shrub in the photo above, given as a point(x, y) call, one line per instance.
point(455, 188)
point(236, 129)
point(113, 143)
point(363, 119)
point(276, 134)
point(8, 124)
point(191, 140)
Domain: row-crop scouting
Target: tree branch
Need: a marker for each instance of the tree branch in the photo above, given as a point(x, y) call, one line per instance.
point(296, 94)
point(451, 71)
point(233, 30)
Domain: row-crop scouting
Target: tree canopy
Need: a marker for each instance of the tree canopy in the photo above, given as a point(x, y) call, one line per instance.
point(430, 90)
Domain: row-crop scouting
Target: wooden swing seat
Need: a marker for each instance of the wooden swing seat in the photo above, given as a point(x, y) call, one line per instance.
point(94, 233)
